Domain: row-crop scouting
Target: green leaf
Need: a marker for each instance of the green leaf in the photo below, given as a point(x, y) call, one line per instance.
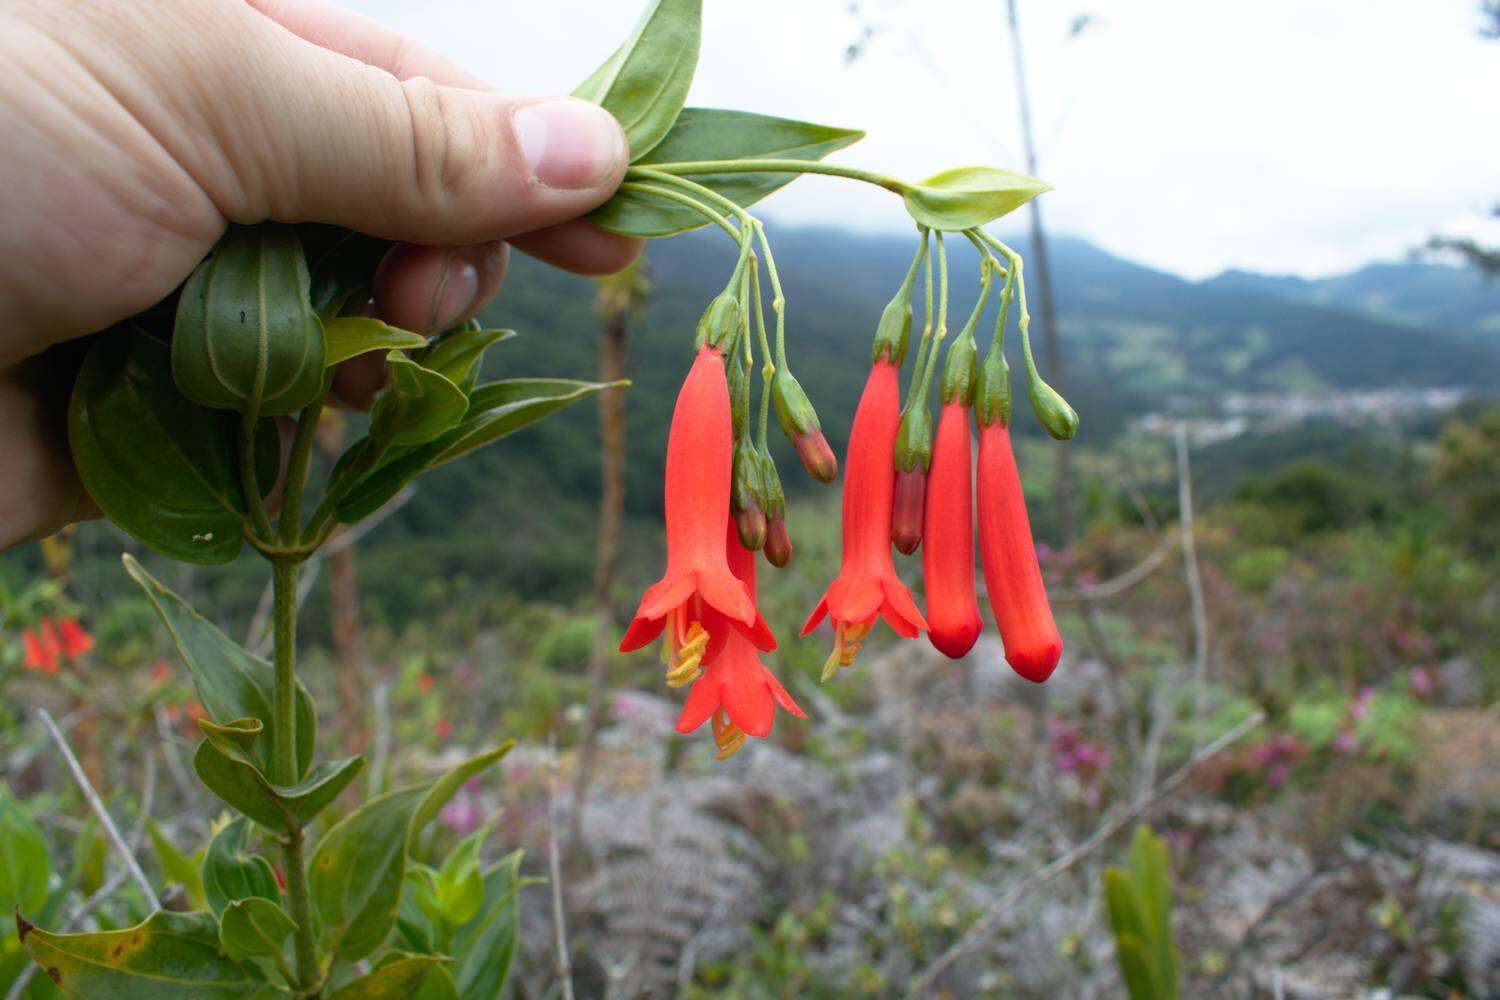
point(350, 336)
point(169, 956)
point(406, 978)
point(1150, 871)
point(645, 82)
point(460, 886)
point(1130, 954)
point(230, 774)
point(232, 683)
point(160, 466)
point(341, 263)
point(254, 928)
point(714, 134)
point(360, 863)
point(965, 197)
point(178, 867)
point(420, 405)
point(486, 945)
point(247, 338)
point(495, 410)
point(25, 867)
point(231, 873)
point(458, 353)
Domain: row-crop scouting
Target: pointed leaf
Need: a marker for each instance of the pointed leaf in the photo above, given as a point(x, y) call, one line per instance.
point(458, 354)
point(171, 956)
point(341, 263)
point(645, 82)
point(236, 780)
point(231, 682)
point(486, 945)
point(178, 867)
point(405, 978)
point(350, 336)
point(254, 928)
point(1135, 970)
point(359, 865)
point(460, 885)
point(966, 197)
point(420, 405)
point(160, 466)
point(231, 873)
point(715, 134)
point(25, 867)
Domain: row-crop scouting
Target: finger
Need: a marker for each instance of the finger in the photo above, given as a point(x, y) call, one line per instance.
point(40, 491)
point(429, 289)
point(581, 247)
point(301, 132)
point(343, 31)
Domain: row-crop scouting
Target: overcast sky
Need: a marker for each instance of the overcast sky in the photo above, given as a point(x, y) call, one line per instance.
point(1305, 136)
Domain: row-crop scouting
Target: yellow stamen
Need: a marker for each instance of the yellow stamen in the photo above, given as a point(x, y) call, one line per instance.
point(727, 736)
point(687, 658)
point(848, 638)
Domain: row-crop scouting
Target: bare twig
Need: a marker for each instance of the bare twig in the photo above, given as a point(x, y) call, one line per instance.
point(1118, 585)
point(170, 751)
point(1194, 584)
point(380, 752)
point(97, 804)
point(554, 871)
point(921, 983)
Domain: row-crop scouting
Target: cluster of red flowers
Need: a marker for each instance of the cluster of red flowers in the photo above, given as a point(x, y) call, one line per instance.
point(54, 642)
point(901, 489)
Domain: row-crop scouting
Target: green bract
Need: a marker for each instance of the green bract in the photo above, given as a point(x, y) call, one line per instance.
point(247, 338)
point(966, 197)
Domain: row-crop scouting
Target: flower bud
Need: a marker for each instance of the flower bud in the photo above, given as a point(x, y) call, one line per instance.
point(778, 547)
point(799, 421)
point(719, 322)
point(746, 496)
point(1060, 419)
point(908, 510)
point(894, 331)
point(778, 542)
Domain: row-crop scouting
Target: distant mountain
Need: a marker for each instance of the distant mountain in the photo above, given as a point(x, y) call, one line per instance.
point(1423, 293)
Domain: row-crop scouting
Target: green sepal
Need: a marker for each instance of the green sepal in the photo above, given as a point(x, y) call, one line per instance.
point(992, 400)
point(719, 322)
point(794, 410)
point(893, 334)
point(350, 336)
point(403, 977)
point(966, 197)
point(225, 767)
point(645, 82)
point(247, 338)
point(359, 865)
point(160, 466)
point(959, 372)
point(170, 956)
point(231, 682)
point(914, 438)
point(420, 405)
point(773, 497)
point(230, 873)
point(747, 489)
point(254, 928)
point(1060, 419)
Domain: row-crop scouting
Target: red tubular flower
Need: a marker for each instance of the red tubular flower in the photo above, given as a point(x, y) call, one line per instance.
point(39, 657)
point(1011, 572)
point(867, 586)
point(953, 622)
point(736, 689)
point(697, 581)
point(75, 640)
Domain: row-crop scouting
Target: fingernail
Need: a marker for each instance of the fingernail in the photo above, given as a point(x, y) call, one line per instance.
point(569, 143)
point(455, 293)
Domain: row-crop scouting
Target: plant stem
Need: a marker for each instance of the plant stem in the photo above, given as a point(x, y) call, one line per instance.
point(284, 760)
point(248, 482)
point(683, 199)
point(773, 166)
point(296, 472)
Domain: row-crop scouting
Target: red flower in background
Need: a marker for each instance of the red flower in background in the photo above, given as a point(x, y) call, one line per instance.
point(75, 640)
point(698, 581)
point(953, 622)
point(1011, 572)
point(39, 656)
point(867, 586)
point(736, 689)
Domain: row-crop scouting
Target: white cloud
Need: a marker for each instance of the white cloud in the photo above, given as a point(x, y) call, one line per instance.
point(1285, 135)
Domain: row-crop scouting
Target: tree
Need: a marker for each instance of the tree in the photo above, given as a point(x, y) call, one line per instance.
point(1487, 259)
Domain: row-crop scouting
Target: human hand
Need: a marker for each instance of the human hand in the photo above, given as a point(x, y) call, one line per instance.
point(135, 131)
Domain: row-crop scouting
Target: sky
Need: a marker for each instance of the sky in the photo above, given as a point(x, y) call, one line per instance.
point(1286, 136)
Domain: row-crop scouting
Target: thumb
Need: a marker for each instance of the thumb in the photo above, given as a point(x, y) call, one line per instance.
point(310, 134)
